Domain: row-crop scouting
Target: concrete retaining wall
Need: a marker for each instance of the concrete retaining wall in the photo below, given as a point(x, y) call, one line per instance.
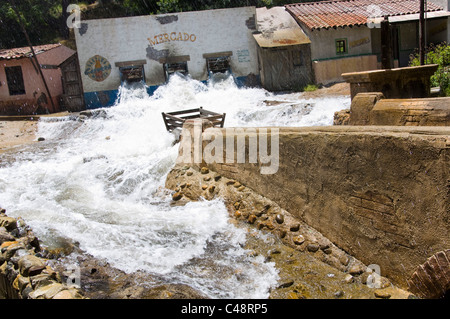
point(379, 193)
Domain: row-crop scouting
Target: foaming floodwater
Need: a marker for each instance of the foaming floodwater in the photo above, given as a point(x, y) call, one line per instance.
point(99, 182)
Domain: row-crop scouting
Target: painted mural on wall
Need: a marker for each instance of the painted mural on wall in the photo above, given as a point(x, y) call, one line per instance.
point(98, 68)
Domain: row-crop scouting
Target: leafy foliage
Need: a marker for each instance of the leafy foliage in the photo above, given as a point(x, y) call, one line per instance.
point(440, 55)
point(40, 18)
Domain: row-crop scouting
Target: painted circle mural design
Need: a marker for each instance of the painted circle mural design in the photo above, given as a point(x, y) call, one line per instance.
point(98, 68)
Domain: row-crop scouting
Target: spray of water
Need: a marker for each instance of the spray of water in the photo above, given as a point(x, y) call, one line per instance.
point(100, 182)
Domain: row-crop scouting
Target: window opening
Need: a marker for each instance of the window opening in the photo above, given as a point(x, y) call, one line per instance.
point(132, 74)
point(218, 64)
point(175, 67)
point(14, 77)
point(341, 46)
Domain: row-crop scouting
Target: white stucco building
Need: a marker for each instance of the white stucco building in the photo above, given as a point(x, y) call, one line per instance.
point(149, 48)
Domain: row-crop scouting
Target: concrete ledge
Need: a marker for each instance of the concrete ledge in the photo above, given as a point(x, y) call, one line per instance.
point(373, 109)
point(408, 82)
point(31, 117)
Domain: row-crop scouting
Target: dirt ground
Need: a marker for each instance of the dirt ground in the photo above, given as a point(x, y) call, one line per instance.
point(333, 90)
point(14, 133)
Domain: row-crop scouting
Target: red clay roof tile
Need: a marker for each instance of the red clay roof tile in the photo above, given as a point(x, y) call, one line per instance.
point(18, 53)
point(340, 13)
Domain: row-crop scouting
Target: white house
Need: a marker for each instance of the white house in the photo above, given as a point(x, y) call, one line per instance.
point(150, 48)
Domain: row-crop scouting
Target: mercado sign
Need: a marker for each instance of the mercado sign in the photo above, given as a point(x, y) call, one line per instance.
point(170, 37)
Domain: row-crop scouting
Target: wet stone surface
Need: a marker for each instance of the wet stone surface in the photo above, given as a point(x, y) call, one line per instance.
point(309, 265)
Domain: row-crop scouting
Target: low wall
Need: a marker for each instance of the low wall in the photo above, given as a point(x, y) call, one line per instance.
point(23, 273)
point(374, 109)
point(379, 193)
point(398, 83)
point(329, 71)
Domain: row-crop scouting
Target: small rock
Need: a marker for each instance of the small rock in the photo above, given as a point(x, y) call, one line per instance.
point(217, 178)
point(237, 184)
point(241, 189)
point(237, 214)
point(382, 294)
point(5, 236)
point(47, 292)
point(356, 269)
point(275, 252)
point(282, 233)
point(204, 186)
point(30, 262)
point(294, 227)
point(251, 219)
point(348, 279)
point(269, 225)
point(22, 282)
point(292, 295)
point(8, 222)
point(298, 240)
point(70, 293)
point(207, 178)
point(35, 270)
point(204, 170)
point(312, 247)
point(189, 173)
point(177, 196)
point(212, 188)
point(324, 244)
point(41, 280)
point(344, 260)
point(286, 284)
point(41, 139)
point(280, 218)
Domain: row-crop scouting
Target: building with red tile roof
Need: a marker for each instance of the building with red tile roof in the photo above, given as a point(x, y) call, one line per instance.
point(349, 13)
point(346, 36)
point(22, 87)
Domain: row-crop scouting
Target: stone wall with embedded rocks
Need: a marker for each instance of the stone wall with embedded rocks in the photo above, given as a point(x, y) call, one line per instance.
point(24, 274)
point(379, 193)
point(301, 249)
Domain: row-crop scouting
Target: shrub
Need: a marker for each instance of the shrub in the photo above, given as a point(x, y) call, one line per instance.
point(310, 88)
point(440, 55)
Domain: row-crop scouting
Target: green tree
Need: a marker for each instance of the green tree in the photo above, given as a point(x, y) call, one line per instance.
point(440, 55)
point(41, 18)
point(169, 6)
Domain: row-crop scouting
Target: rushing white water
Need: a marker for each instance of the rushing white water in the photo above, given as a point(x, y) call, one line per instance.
point(100, 183)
